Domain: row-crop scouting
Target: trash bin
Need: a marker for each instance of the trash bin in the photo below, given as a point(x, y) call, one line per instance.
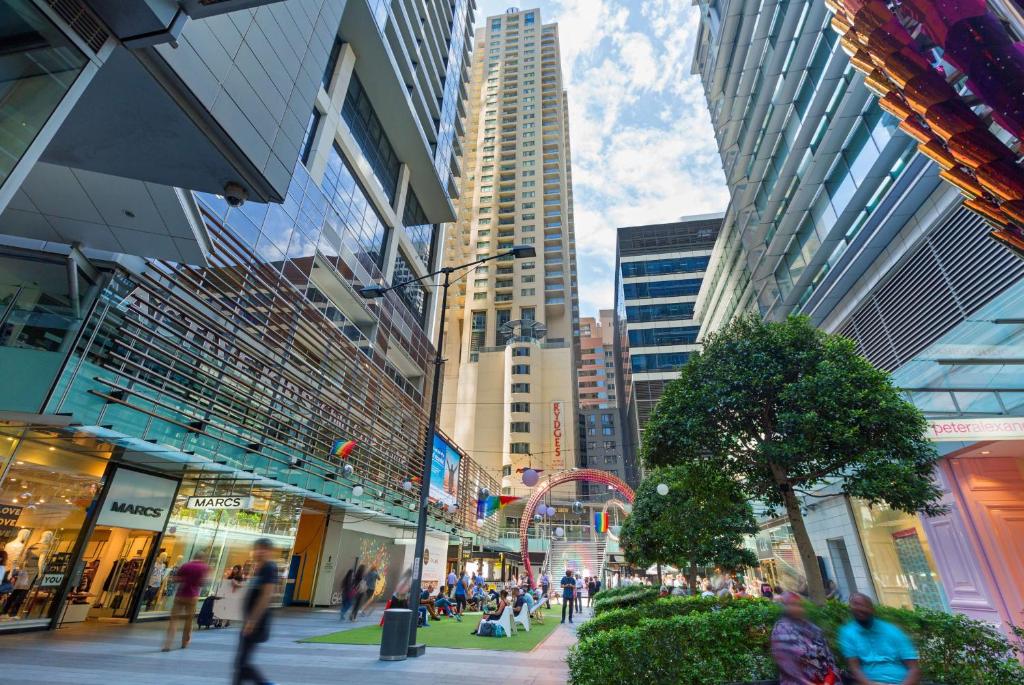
point(394, 641)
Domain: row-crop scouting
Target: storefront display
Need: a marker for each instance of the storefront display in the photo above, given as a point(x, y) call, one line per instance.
point(899, 557)
point(46, 489)
point(779, 560)
point(224, 536)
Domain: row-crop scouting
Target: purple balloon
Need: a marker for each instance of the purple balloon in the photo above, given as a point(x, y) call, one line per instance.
point(530, 477)
point(550, 511)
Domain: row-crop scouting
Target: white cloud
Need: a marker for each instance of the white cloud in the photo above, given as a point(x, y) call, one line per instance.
point(642, 144)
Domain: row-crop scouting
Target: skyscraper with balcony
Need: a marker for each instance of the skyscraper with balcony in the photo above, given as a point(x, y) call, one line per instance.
point(602, 445)
point(659, 273)
point(510, 378)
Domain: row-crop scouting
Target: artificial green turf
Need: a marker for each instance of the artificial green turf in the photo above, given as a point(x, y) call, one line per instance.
point(450, 633)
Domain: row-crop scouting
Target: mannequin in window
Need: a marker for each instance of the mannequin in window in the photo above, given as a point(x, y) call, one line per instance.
point(15, 547)
point(27, 573)
point(45, 542)
point(156, 580)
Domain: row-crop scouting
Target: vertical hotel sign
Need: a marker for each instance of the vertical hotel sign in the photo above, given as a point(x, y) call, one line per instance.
point(557, 421)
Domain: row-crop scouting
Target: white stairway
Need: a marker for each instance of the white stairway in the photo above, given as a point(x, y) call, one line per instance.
point(583, 557)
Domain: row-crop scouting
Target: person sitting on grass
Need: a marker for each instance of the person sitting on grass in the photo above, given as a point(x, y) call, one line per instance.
point(499, 610)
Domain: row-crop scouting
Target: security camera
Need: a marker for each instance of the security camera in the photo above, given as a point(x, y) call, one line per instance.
point(235, 194)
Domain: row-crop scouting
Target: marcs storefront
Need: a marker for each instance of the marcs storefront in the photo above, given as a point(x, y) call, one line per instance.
point(93, 531)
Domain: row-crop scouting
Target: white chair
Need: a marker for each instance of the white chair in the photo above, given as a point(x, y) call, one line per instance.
point(523, 617)
point(505, 621)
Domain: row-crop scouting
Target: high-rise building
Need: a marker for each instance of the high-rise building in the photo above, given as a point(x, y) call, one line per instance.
point(601, 442)
point(189, 217)
point(834, 214)
point(511, 350)
point(659, 272)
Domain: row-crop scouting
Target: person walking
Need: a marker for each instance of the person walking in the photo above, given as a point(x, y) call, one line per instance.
point(800, 649)
point(876, 651)
point(568, 584)
point(591, 591)
point(578, 595)
point(545, 587)
point(451, 582)
point(190, 578)
point(358, 590)
point(371, 589)
point(256, 625)
point(461, 591)
point(346, 593)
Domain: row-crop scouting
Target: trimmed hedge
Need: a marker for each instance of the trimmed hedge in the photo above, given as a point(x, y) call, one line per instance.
point(662, 607)
point(617, 591)
point(639, 595)
point(710, 642)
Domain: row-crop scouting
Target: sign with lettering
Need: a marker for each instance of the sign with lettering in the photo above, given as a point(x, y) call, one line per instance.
point(51, 580)
point(137, 500)
point(229, 502)
point(995, 428)
point(9, 514)
point(556, 433)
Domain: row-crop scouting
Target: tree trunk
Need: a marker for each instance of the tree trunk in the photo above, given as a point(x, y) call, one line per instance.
point(815, 583)
point(691, 579)
point(659, 574)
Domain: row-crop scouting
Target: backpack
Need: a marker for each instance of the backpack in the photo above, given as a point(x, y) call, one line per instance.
point(499, 631)
point(486, 630)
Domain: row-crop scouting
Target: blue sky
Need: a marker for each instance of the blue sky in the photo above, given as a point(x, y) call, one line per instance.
point(642, 145)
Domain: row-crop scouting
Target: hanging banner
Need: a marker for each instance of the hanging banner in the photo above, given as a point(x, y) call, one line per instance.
point(444, 472)
point(137, 500)
point(557, 462)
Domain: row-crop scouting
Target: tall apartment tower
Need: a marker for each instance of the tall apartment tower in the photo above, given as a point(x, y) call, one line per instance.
point(602, 445)
point(512, 341)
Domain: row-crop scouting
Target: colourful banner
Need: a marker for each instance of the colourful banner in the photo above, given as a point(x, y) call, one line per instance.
point(487, 506)
point(601, 521)
point(342, 448)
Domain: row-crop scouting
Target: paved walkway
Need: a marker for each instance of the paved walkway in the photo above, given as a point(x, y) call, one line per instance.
point(108, 655)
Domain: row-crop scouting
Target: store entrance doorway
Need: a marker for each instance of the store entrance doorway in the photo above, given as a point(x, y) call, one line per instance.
point(113, 567)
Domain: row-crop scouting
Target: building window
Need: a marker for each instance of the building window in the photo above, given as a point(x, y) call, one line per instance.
point(519, 427)
point(519, 448)
point(665, 361)
point(528, 314)
point(307, 139)
point(413, 295)
point(501, 335)
point(369, 134)
point(520, 369)
point(478, 334)
point(419, 229)
point(348, 194)
point(608, 430)
point(332, 63)
point(650, 289)
point(528, 292)
point(663, 267)
point(520, 351)
point(520, 387)
point(677, 335)
point(660, 312)
point(609, 444)
point(520, 407)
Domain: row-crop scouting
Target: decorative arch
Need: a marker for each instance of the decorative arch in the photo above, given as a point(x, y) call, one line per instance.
point(583, 475)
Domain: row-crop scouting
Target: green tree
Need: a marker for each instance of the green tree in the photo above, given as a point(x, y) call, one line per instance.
point(701, 521)
point(783, 407)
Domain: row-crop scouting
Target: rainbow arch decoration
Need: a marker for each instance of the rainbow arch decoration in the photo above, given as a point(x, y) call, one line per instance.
point(575, 475)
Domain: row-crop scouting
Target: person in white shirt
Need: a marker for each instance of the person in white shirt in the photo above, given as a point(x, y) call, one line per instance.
point(451, 582)
point(579, 594)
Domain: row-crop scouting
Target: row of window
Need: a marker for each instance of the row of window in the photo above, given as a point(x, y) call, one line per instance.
point(659, 312)
point(661, 361)
point(663, 267)
point(659, 337)
point(650, 289)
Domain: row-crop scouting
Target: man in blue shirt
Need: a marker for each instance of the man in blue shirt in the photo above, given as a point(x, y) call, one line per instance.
point(877, 652)
point(568, 589)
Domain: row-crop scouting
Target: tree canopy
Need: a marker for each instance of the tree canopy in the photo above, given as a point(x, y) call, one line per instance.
point(700, 522)
point(783, 407)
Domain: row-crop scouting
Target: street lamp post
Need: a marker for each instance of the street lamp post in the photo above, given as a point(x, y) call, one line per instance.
point(374, 291)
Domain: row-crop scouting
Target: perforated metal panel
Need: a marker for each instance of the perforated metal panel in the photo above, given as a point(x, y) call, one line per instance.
point(82, 22)
point(956, 269)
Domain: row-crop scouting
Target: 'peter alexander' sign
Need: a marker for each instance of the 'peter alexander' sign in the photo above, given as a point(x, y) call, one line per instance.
point(967, 430)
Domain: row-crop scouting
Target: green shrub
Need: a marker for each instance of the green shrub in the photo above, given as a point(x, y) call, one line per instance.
point(617, 591)
point(700, 648)
point(697, 641)
point(639, 595)
point(663, 607)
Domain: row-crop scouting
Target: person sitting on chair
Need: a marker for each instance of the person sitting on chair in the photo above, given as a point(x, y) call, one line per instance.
point(502, 603)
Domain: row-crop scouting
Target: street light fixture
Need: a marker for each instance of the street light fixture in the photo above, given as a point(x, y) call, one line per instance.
point(375, 291)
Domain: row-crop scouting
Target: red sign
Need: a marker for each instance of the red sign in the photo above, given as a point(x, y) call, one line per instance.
point(556, 431)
